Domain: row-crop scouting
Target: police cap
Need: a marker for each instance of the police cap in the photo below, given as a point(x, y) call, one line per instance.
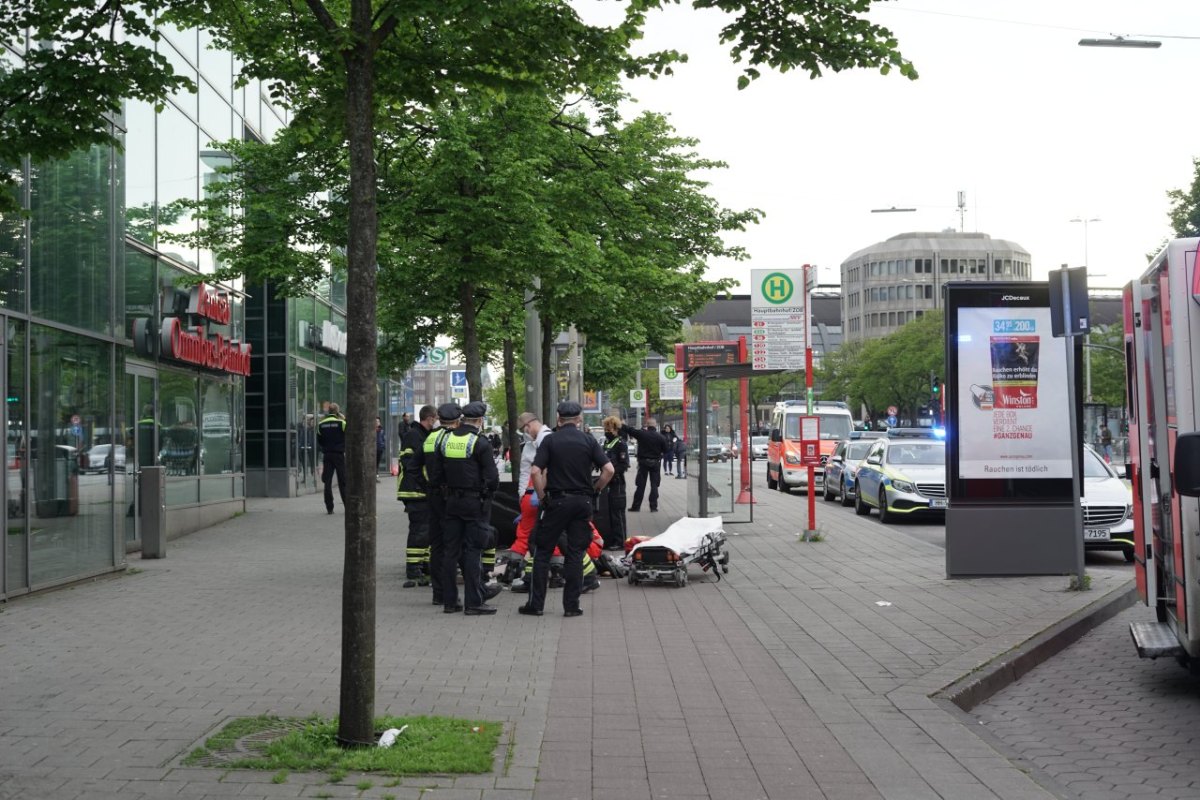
point(569, 409)
point(449, 411)
point(475, 410)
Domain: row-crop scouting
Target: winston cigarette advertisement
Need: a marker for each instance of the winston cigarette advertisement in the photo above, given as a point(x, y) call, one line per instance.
point(1012, 395)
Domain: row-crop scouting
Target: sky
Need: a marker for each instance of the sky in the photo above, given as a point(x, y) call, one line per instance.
point(1034, 129)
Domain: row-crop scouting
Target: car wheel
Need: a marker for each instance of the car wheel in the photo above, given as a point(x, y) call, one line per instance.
point(1128, 553)
point(846, 501)
point(826, 495)
point(770, 481)
point(783, 487)
point(861, 508)
point(884, 514)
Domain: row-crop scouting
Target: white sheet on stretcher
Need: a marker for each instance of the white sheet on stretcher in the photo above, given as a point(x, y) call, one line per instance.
point(685, 536)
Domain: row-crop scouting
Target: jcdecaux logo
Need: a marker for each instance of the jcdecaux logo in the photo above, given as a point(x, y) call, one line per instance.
point(777, 288)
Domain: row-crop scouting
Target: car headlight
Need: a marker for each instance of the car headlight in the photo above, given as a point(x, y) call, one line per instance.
point(792, 459)
point(903, 486)
point(852, 472)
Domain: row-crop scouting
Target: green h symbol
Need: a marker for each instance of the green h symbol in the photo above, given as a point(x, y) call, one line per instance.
point(777, 288)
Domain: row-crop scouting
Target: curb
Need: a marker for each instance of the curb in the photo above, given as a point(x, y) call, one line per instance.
point(1007, 669)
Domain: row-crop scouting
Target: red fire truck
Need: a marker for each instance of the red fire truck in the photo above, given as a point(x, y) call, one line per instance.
point(1162, 357)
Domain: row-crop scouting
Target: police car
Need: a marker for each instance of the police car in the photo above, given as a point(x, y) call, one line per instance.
point(901, 477)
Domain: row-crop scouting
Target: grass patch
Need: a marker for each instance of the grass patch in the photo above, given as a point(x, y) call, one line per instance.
point(1076, 585)
point(430, 745)
point(280, 777)
point(363, 785)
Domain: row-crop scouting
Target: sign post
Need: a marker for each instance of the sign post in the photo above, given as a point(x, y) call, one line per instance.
point(810, 456)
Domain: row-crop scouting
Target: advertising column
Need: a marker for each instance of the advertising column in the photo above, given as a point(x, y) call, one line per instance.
point(1009, 465)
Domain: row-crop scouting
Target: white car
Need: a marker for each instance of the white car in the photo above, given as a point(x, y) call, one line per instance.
point(758, 446)
point(98, 458)
point(1107, 507)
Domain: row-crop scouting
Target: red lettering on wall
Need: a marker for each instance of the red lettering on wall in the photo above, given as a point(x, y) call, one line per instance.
point(194, 347)
point(210, 304)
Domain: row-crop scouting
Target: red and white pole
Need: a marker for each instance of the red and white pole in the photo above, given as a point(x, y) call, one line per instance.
point(808, 392)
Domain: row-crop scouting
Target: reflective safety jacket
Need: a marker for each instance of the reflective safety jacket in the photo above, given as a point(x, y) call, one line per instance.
point(410, 484)
point(467, 462)
point(331, 434)
point(617, 452)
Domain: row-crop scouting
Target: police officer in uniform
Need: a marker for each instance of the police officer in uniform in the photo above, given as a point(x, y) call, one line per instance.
point(618, 455)
point(331, 438)
point(651, 445)
point(466, 468)
point(562, 478)
point(428, 462)
point(411, 489)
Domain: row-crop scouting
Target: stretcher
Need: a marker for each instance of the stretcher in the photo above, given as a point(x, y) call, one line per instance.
point(665, 558)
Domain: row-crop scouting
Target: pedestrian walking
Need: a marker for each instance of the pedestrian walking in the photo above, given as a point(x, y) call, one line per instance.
point(467, 471)
point(562, 477)
point(618, 455)
point(331, 438)
point(651, 446)
point(680, 457)
point(428, 463)
point(412, 490)
point(380, 447)
point(668, 433)
point(1106, 442)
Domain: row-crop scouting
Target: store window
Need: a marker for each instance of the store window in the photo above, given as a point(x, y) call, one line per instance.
point(179, 422)
point(219, 446)
point(71, 239)
point(71, 386)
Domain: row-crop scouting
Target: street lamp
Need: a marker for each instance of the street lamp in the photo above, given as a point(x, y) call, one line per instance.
point(1121, 41)
point(1085, 235)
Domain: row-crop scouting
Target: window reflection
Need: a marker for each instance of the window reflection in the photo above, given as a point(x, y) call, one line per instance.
point(177, 179)
point(140, 208)
point(71, 210)
point(12, 245)
point(179, 423)
point(71, 387)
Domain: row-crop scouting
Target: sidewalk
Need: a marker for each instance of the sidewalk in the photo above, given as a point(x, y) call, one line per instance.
point(786, 680)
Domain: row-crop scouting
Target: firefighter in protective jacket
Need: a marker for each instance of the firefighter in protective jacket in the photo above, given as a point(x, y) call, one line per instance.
point(412, 490)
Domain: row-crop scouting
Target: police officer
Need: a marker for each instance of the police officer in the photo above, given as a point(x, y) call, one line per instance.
point(467, 470)
point(618, 455)
point(331, 438)
point(562, 478)
point(651, 445)
point(428, 461)
point(411, 489)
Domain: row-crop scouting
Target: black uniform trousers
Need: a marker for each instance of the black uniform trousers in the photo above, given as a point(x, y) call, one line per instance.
point(334, 463)
point(616, 511)
point(437, 544)
point(418, 535)
point(569, 513)
point(647, 467)
point(464, 533)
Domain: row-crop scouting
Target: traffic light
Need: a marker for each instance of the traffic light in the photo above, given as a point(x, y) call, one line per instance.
point(935, 387)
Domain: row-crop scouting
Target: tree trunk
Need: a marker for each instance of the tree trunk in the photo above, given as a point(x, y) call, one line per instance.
point(357, 698)
point(510, 400)
point(470, 339)
point(547, 374)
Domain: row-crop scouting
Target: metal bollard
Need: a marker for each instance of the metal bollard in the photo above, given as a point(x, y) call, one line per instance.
point(152, 494)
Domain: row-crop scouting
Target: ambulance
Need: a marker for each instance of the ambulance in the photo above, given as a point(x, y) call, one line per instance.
point(784, 468)
point(1162, 331)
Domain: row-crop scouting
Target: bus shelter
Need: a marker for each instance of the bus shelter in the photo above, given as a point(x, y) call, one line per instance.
point(716, 417)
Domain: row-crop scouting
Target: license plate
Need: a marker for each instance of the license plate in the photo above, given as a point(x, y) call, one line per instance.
point(937, 502)
point(1097, 533)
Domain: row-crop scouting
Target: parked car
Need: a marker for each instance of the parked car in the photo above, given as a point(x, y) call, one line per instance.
point(98, 456)
point(1107, 507)
point(719, 448)
point(842, 469)
point(758, 447)
point(902, 477)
